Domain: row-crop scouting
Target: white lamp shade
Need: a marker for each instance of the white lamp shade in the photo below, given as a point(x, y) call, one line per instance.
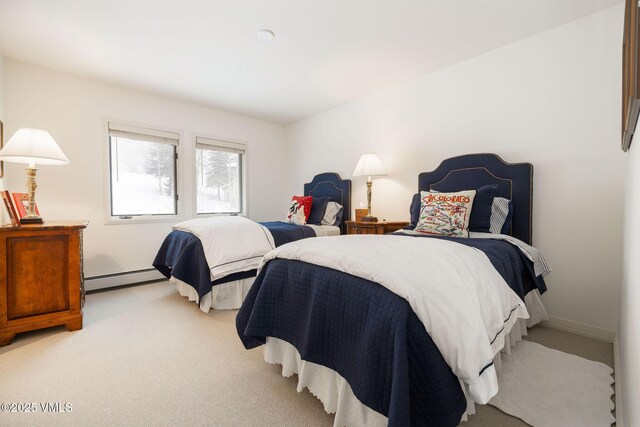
point(369, 165)
point(33, 146)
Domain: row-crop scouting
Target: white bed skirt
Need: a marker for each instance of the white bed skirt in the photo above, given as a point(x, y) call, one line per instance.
point(335, 393)
point(227, 296)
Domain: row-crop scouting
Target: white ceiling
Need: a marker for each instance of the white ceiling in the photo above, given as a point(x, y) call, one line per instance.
point(325, 53)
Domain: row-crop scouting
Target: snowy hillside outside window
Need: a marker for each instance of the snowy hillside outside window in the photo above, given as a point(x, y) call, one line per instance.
point(142, 171)
point(218, 176)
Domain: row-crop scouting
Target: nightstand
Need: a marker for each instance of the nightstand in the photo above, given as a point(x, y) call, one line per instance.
point(41, 281)
point(380, 227)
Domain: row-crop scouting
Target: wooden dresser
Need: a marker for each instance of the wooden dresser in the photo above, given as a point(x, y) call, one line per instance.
point(380, 227)
point(41, 279)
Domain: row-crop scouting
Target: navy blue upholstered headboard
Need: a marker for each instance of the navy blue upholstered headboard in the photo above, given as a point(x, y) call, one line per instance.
point(472, 171)
point(338, 190)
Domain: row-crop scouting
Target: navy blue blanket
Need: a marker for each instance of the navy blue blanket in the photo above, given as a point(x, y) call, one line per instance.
point(366, 333)
point(284, 232)
point(181, 255)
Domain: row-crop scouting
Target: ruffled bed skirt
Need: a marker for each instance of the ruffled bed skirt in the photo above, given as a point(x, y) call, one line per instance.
point(227, 296)
point(335, 393)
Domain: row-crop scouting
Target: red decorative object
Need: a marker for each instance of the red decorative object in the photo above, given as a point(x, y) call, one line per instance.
point(299, 209)
point(21, 201)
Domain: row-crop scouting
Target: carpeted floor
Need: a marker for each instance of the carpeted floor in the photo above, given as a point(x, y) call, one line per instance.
point(146, 356)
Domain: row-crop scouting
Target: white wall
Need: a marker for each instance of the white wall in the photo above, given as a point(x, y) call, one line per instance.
point(552, 100)
point(628, 355)
point(74, 111)
point(2, 90)
point(3, 216)
point(2, 115)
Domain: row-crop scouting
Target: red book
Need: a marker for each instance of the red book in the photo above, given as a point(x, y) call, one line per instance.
point(11, 209)
point(21, 201)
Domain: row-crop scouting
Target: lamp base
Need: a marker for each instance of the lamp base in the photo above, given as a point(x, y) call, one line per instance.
point(369, 219)
point(36, 220)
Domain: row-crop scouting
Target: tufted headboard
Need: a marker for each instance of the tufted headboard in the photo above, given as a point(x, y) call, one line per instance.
point(472, 171)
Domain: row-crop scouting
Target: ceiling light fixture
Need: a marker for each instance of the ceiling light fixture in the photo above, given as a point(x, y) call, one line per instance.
point(266, 35)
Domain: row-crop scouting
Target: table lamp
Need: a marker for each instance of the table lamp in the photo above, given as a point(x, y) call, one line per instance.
point(32, 146)
point(369, 165)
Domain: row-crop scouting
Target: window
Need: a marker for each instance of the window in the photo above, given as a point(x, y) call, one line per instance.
point(142, 171)
point(219, 176)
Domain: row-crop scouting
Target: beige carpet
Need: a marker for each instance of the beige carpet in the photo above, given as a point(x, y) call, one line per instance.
point(146, 356)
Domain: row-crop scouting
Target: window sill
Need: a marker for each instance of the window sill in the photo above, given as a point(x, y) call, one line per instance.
point(206, 215)
point(144, 219)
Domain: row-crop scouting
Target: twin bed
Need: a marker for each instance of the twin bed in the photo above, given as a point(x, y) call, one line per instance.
point(403, 329)
point(213, 261)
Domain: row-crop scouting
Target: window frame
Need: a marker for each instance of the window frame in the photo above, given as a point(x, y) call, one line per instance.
point(221, 143)
point(145, 218)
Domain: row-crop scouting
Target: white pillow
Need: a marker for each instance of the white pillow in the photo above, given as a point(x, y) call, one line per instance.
point(331, 214)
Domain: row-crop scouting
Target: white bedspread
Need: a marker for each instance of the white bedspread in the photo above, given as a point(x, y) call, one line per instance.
point(231, 243)
point(540, 265)
point(463, 302)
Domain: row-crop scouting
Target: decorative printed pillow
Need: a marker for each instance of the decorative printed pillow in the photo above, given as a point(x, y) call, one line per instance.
point(445, 214)
point(299, 210)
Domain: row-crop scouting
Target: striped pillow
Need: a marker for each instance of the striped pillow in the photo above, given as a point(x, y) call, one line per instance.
point(501, 214)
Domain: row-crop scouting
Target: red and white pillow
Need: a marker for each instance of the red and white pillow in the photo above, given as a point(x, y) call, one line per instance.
point(299, 210)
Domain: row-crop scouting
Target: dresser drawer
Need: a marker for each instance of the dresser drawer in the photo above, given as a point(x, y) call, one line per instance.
point(40, 278)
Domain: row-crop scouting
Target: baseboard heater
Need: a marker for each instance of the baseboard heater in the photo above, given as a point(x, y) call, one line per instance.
point(120, 279)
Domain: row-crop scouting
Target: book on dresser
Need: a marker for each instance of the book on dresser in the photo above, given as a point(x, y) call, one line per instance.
point(11, 209)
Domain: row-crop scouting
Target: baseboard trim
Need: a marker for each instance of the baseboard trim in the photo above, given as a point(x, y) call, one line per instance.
point(122, 279)
point(580, 329)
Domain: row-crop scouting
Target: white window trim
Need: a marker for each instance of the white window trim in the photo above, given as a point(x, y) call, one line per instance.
point(156, 132)
point(221, 142)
